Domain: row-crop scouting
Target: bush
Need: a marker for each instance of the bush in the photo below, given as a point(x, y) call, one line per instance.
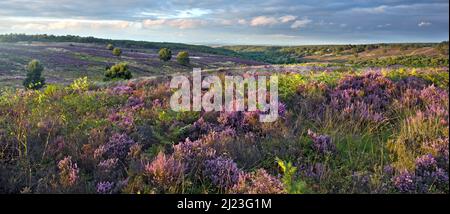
point(118, 71)
point(110, 47)
point(34, 80)
point(183, 58)
point(117, 51)
point(165, 54)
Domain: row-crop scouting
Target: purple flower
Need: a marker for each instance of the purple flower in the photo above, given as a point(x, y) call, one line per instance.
point(105, 187)
point(108, 164)
point(121, 90)
point(118, 146)
point(135, 102)
point(404, 182)
point(282, 110)
point(223, 172)
point(322, 143)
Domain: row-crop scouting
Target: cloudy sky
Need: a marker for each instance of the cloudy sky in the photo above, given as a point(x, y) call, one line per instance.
point(276, 22)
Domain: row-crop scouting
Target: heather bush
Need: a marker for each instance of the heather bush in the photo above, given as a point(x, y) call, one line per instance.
point(68, 172)
point(338, 132)
point(166, 173)
point(258, 182)
point(222, 172)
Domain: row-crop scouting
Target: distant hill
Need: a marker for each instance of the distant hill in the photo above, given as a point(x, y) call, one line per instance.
point(339, 53)
point(120, 43)
point(271, 54)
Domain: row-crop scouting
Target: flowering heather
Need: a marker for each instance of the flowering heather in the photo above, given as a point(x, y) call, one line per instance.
point(140, 148)
point(223, 172)
point(68, 172)
point(428, 174)
point(282, 110)
point(157, 103)
point(232, 119)
point(322, 143)
point(315, 171)
point(121, 90)
point(219, 137)
point(123, 119)
point(105, 187)
point(165, 172)
point(118, 146)
point(259, 182)
point(412, 83)
point(366, 97)
point(109, 164)
point(201, 127)
point(135, 102)
point(439, 147)
point(434, 95)
point(404, 182)
point(189, 151)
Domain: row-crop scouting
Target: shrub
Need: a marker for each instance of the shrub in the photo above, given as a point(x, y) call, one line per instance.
point(110, 47)
point(259, 182)
point(165, 54)
point(118, 71)
point(68, 172)
point(34, 80)
point(117, 52)
point(183, 58)
point(165, 172)
point(223, 172)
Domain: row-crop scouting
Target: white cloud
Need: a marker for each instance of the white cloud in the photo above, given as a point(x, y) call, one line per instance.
point(383, 25)
point(242, 22)
point(178, 14)
point(301, 23)
point(424, 24)
point(263, 21)
point(288, 18)
point(39, 24)
point(177, 23)
point(371, 10)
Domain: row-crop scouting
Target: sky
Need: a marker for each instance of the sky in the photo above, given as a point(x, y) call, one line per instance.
point(230, 22)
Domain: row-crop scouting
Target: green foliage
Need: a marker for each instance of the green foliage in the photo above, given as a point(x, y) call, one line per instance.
point(435, 76)
point(288, 85)
point(443, 48)
point(117, 51)
point(165, 54)
point(409, 61)
point(183, 58)
point(118, 71)
point(80, 84)
point(110, 47)
point(292, 186)
point(34, 79)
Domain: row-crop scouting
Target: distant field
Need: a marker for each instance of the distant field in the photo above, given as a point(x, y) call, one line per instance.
point(65, 62)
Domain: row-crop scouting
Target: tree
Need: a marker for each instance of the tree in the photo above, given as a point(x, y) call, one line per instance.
point(183, 58)
point(117, 52)
point(110, 47)
point(165, 54)
point(118, 71)
point(34, 80)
